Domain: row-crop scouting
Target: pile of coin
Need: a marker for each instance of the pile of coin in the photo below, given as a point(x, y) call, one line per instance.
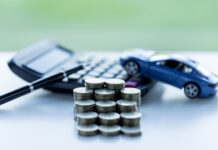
point(116, 85)
point(132, 94)
point(104, 94)
point(82, 93)
point(107, 107)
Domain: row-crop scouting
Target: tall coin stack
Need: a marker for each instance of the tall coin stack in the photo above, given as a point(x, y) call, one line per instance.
point(107, 107)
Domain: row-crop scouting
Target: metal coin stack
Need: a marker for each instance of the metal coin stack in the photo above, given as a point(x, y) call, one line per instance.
point(116, 85)
point(132, 94)
point(81, 106)
point(82, 93)
point(84, 111)
point(126, 106)
point(87, 130)
point(109, 130)
point(87, 118)
point(105, 106)
point(104, 95)
point(109, 119)
point(130, 121)
point(94, 83)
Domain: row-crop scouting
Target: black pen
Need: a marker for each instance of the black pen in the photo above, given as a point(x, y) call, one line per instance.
point(40, 83)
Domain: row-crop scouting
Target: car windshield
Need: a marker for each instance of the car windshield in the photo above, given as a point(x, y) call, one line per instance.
point(203, 71)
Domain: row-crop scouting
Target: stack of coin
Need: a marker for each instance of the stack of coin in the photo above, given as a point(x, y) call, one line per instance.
point(109, 119)
point(109, 130)
point(82, 93)
point(94, 83)
point(87, 118)
point(130, 122)
point(126, 106)
point(87, 130)
point(131, 131)
point(117, 107)
point(132, 94)
point(116, 85)
point(105, 106)
point(130, 118)
point(104, 94)
point(83, 106)
point(109, 124)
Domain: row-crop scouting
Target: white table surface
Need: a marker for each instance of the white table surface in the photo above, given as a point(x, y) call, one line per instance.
point(44, 121)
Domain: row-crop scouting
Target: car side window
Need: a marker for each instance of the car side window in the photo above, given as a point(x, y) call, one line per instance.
point(175, 65)
point(171, 64)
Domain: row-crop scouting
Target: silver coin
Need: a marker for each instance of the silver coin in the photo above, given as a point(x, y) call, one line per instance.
point(109, 130)
point(114, 84)
point(109, 118)
point(127, 106)
point(105, 106)
point(82, 93)
point(104, 94)
point(104, 98)
point(83, 106)
point(87, 118)
point(130, 91)
point(130, 118)
point(132, 94)
point(87, 130)
point(131, 131)
point(94, 83)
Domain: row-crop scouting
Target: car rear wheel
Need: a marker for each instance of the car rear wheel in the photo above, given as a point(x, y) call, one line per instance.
point(192, 90)
point(132, 68)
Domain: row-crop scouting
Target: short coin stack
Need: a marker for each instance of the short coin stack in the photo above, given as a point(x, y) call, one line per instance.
point(107, 107)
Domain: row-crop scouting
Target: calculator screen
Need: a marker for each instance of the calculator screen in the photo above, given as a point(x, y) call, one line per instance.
point(48, 60)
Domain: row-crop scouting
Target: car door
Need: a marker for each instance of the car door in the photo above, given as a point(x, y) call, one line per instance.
point(164, 71)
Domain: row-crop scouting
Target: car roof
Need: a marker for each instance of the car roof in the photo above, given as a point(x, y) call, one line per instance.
point(184, 59)
point(176, 57)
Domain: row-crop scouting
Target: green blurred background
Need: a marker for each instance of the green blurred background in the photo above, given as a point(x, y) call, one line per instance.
point(111, 24)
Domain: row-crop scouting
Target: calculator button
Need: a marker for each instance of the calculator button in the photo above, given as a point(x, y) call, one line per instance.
point(81, 72)
point(107, 75)
point(122, 75)
point(99, 69)
point(112, 71)
point(104, 66)
point(109, 63)
point(74, 76)
point(92, 65)
point(87, 68)
point(86, 64)
point(94, 74)
point(85, 77)
point(117, 67)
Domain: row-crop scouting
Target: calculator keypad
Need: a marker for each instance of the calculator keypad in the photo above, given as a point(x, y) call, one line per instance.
point(100, 68)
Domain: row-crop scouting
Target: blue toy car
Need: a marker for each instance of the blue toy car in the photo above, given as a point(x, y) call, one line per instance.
point(176, 70)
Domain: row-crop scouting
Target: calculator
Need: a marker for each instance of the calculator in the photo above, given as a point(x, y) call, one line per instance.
point(46, 57)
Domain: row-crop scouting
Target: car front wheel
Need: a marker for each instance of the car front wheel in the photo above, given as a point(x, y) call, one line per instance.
point(132, 68)
point(192, 90)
